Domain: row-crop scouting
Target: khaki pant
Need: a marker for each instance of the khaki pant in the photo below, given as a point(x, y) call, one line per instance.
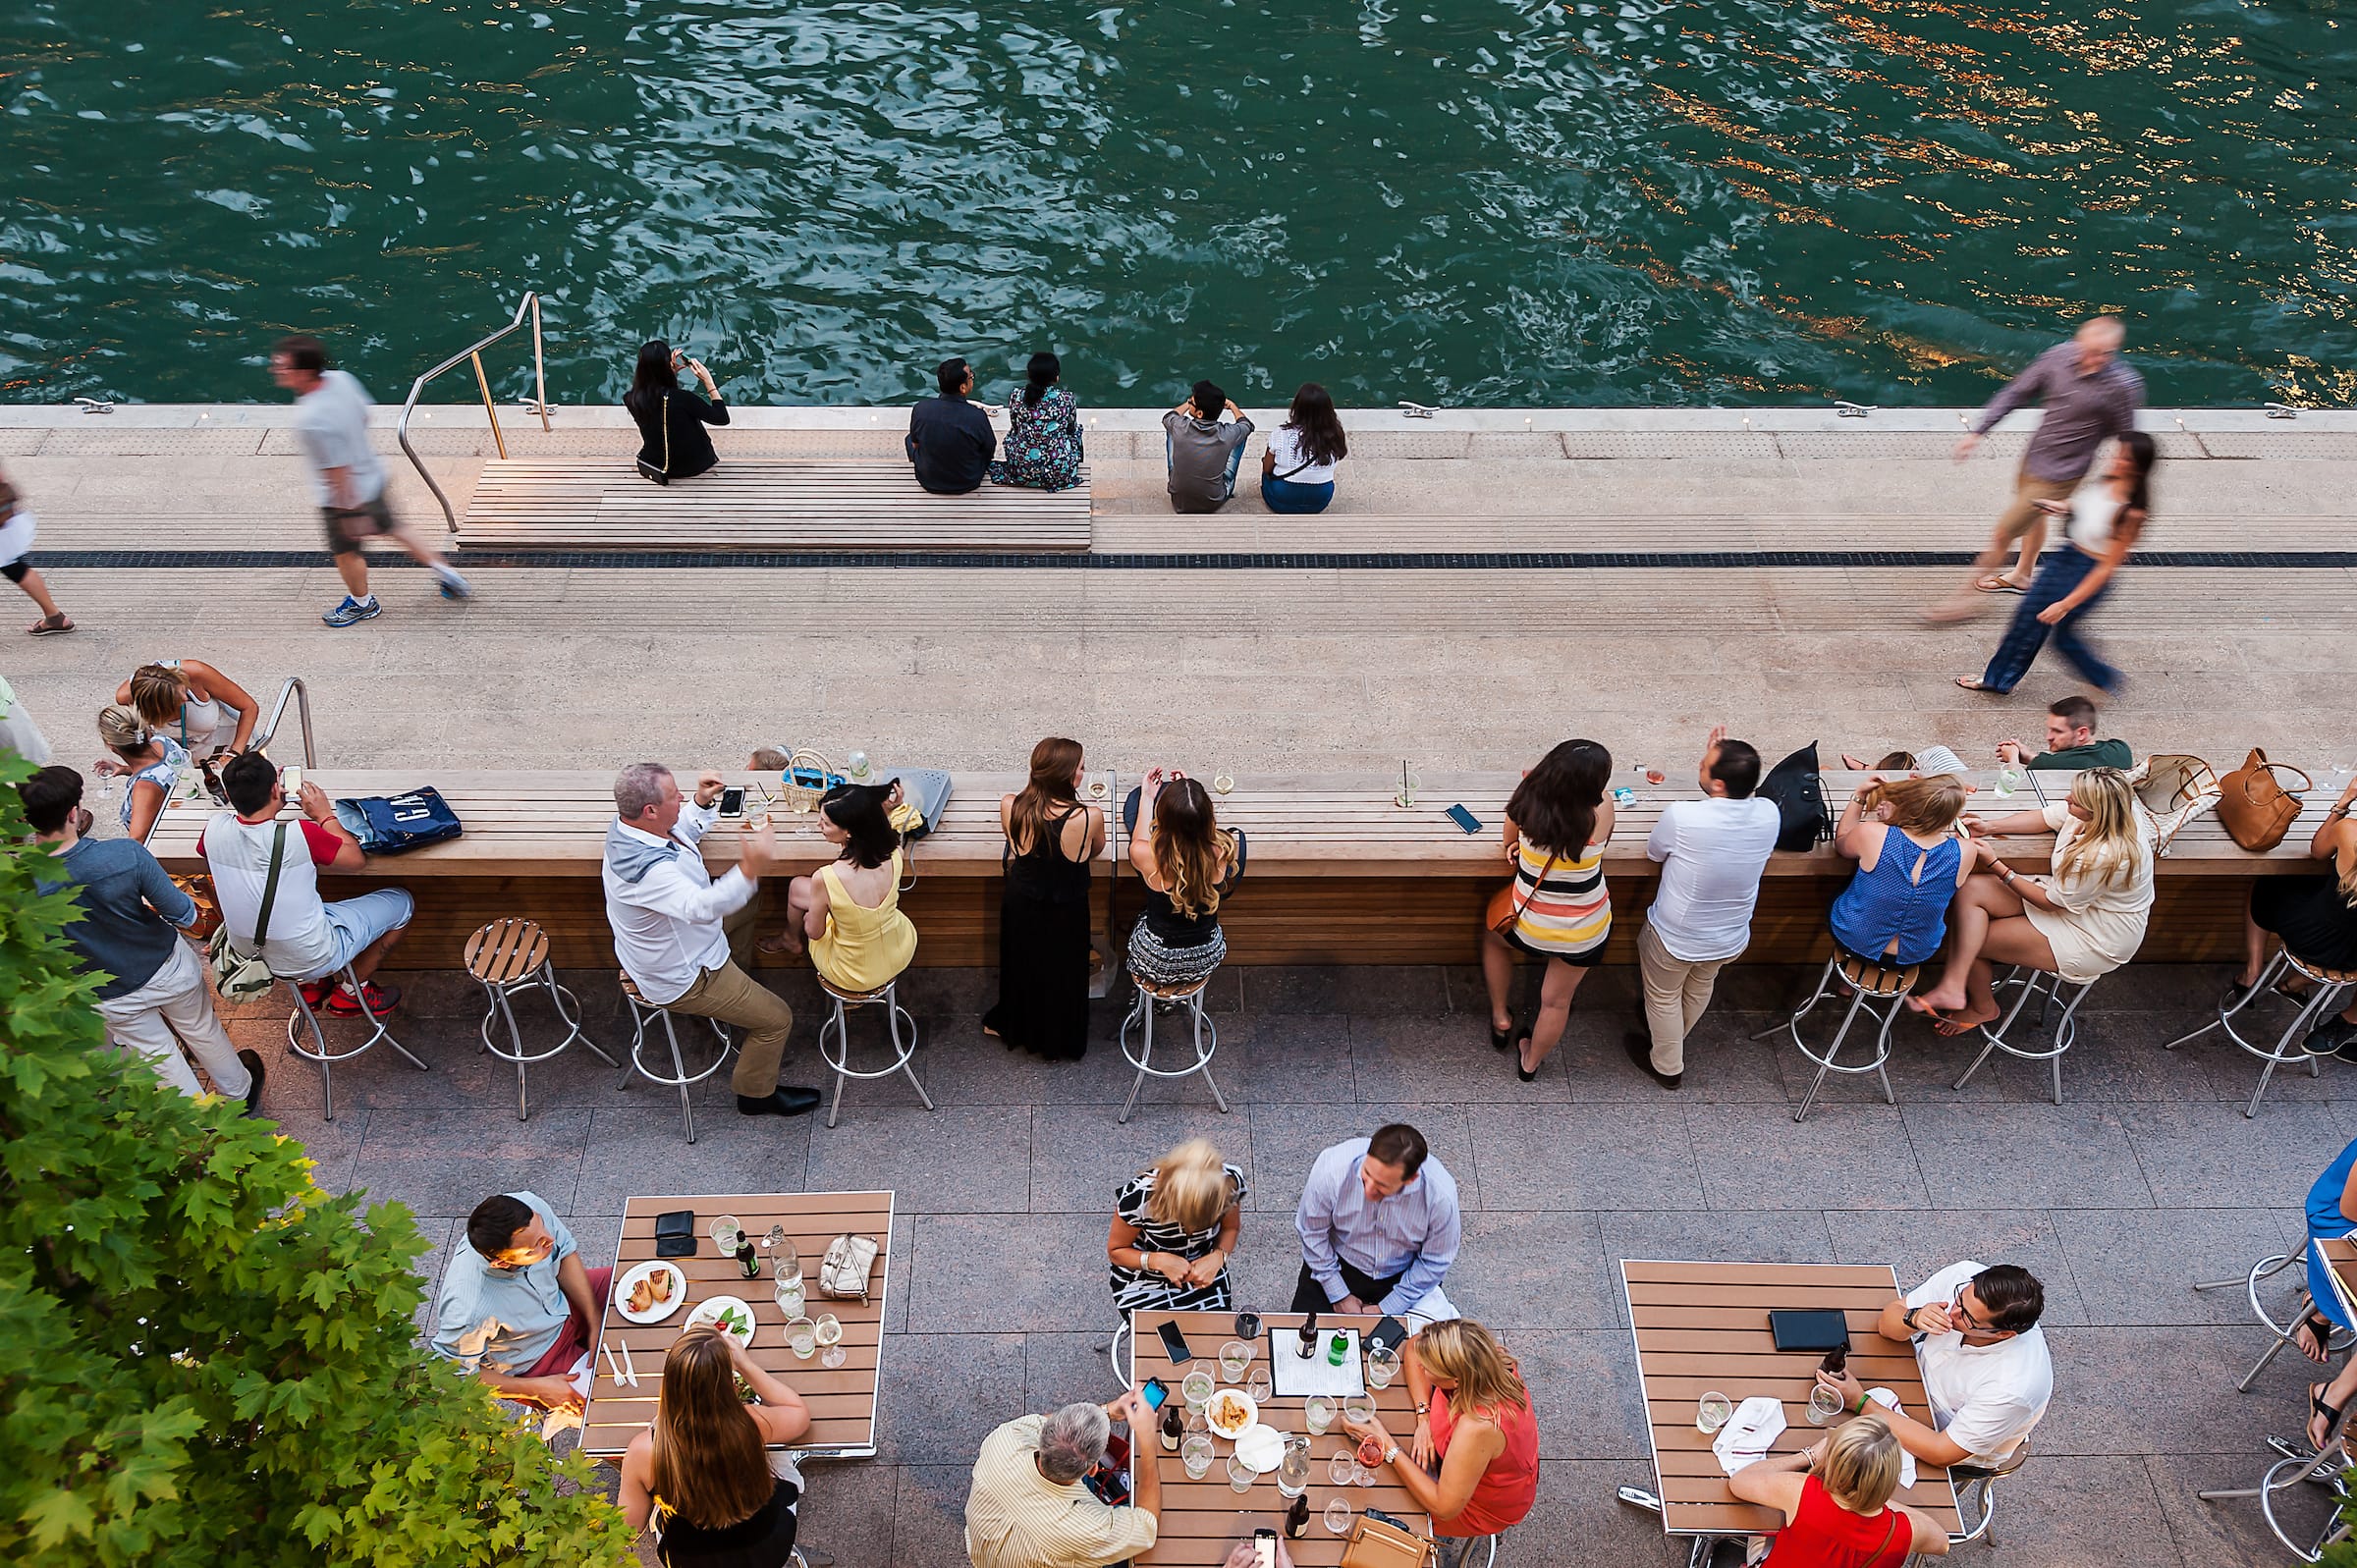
point(1677, 994)
point(732, 996)
point(2025, 513)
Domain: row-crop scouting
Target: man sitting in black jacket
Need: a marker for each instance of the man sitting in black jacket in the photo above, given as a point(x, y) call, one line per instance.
point(950, 440)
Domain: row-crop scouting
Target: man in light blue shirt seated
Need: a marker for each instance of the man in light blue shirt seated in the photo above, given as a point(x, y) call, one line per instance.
point(516, 1307)
point(1380, 1225)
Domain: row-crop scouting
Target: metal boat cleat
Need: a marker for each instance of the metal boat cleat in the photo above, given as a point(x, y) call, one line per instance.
point(1852, 411)
point(93, 406)
point(2281, 411)
point(1415, 410)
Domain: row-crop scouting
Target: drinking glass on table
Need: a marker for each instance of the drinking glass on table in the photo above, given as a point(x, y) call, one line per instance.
point(1343, 1468)
point(1711, 1412)
point(1338, 1517)
point(1359, 1407)
point(1260, 1387)
point(827, 1333)
point(1235, 1357)
point(1197, 1386)
point(802, 1337)
point(1241, 1476)
point(1825, 1404)
point(1382, 1364)
point(1195, 1453)
point(727, 1234)
point(1318, 1411)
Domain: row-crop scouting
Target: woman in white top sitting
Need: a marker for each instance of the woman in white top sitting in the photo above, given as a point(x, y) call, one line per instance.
point(207, 713)
point(2084, 922)
point(1296, 470)
point(151, 760)
point(2105, 518)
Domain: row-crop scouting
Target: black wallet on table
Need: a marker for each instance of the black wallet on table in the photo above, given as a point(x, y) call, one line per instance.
point(1818, 1329)
point(674, 1234)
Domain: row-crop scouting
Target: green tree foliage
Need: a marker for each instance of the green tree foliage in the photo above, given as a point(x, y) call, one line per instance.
point(205, 1359)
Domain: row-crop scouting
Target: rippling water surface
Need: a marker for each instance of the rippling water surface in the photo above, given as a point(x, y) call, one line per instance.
point(1473, 201)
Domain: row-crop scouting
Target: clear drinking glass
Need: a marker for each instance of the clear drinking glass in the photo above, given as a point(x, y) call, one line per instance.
point(789, 1293)
point(1247, 1324)
point(1241, 1476)
point(1359, 1407)
point(1194, 1452)
point(1712, 1410)
point(1382, 1364)
point(1338, 1517)
point(726, 1232)
point(1343, 1468)
point(1196, 1386)
point(827, 1332)
point(1260, 1387)
point(1318, 1410)
point(1235, 1357)
point(802, 1337)
point(1292, 1471)
point(1825, 1404)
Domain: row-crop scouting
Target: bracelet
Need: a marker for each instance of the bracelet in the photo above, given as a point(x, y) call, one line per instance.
point(1863, 1401)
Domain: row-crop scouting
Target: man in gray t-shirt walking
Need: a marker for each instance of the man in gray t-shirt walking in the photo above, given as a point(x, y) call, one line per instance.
point(348, 478)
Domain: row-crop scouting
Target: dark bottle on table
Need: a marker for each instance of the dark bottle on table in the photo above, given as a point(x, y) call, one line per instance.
point(1174, 1427)
point(1309, 1338)
point(748, 1260)
point(1296, 1518)
point(1837, 1361)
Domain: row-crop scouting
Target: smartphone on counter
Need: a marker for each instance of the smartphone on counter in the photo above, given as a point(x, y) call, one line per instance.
point(1464, 819)
point(1175, 1343)
point(732, 802)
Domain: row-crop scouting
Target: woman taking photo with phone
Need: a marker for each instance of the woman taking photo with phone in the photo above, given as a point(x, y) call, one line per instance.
point(673, 443)
point(702, 1475)
point(1051, 839)
point(1188, 863)
point(1556, 908)
point(1472, 1462)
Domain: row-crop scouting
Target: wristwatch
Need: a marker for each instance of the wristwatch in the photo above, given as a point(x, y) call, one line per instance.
point(1423, 1409)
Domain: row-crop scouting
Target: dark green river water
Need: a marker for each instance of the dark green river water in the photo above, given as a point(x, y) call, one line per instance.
point(1467, 201)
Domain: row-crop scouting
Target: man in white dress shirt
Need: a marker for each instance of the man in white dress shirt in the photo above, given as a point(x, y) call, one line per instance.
point(1984, 1365)
point(681, 935)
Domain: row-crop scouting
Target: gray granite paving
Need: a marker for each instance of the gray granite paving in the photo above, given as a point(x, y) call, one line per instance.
point(2147, 1177)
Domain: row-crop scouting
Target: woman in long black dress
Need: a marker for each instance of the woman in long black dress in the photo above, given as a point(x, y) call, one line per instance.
point(1043, 920)
point(671, 419)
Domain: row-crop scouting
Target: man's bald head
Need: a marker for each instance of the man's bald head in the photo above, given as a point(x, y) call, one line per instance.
point(2099, 340)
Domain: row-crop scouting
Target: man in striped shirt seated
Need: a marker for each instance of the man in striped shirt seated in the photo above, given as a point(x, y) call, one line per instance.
point(1029, 1508)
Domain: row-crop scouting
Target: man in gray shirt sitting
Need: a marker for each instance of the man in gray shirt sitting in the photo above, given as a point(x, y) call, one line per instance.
point(151, 993)
point(1204, 452)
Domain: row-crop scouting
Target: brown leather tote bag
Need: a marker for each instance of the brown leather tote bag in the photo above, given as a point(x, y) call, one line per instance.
point(2259, 811)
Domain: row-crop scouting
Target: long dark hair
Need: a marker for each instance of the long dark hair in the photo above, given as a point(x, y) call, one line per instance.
point(1556, 805)
point(2145, 454)
point(1189, 847)
point(1320, 428)
point(708, 1464)
point(1043, 370)
point(655, 372)
point(858, 810)
point(1053, 763)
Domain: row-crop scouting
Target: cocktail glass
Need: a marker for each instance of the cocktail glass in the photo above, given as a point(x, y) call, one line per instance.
point(1318, 1410)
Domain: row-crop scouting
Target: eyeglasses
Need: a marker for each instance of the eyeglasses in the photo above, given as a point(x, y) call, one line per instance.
point(1961, 1315)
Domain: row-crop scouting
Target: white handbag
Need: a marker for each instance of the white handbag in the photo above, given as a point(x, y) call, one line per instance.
point(842, 1273)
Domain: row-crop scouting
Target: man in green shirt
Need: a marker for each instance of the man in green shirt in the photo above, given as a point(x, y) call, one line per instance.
point(2070, 742)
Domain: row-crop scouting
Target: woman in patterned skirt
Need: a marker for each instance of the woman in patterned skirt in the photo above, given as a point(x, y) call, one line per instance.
point(1174, 1231)
point(1042, 448)
point(1556, 908)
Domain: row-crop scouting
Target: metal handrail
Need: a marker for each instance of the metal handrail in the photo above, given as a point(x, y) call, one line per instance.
point(529, 305)
point(303, 708)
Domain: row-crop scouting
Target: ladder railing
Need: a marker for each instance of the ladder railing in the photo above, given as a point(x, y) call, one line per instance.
point(293, 691)
point(526, 308)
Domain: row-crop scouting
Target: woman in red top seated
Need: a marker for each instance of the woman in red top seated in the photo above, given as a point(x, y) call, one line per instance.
point(1473, 1416)
point(1835, 1499)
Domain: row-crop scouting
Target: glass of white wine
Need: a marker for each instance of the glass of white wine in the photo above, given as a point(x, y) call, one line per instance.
point(827, 1331)
point(1223, 783)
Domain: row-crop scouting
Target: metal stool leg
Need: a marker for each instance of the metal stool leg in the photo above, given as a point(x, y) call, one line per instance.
point(839, 1021)
point(678, 1070)
point(1145, 1005)
point(326, 1061)
point(1195, 1004)
point(893, 1012)
point(1824, 978)
point(1825, 1065)
point(499, 994)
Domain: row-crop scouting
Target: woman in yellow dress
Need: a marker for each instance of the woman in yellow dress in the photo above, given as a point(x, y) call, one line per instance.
point(850, 911)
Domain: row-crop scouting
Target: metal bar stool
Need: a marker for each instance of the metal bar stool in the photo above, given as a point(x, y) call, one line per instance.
point(1867, 983)
point(1152, 998)
point(644, 1013)
point(2323, 998)
point(505, 957)
point(2047, 989)
point(1982, 1481)
point(2327, 1468)
point(326, 1059)
point(2266, 1268)
point(838, 1028)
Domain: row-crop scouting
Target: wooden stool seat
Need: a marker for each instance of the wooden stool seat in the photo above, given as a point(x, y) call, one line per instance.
point(630, 987)
point(507, 952)
point(1879, 979)
point(2320, 974)
point(1172, 990)
point(856, 997)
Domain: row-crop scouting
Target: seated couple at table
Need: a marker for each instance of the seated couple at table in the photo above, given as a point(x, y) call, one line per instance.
point(1921, 884)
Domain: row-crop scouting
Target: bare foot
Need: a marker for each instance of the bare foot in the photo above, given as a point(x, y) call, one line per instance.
point(782, 941)
point(1959, 1023)
point(1941, 998)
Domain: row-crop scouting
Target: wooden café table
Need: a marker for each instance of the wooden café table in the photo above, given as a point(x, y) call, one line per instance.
point(1202, 1520)
point(841, 1401)
point(1703, 1327)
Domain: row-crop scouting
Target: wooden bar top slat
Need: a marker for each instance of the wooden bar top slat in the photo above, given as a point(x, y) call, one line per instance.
point(842, 1400)
point(1703, 1327)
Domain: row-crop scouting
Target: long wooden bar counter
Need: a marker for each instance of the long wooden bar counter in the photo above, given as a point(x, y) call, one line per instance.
point(1338, 874)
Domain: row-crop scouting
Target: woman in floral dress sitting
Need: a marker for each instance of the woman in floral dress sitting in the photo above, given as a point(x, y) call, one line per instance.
point(1042, 448)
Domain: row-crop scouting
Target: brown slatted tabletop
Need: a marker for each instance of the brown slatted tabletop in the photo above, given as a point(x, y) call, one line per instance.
point(841, 1401)
point(1202, 1520)
point(2341, 1257)
point(1703, 1327)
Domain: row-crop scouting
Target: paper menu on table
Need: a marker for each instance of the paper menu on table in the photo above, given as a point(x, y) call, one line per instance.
point(1297, 1377)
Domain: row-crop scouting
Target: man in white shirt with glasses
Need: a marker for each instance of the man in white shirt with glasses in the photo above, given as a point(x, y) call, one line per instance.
point(1985, 1371)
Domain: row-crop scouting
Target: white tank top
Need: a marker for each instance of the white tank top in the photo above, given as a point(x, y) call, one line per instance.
point(200, 721)
point(2092, 514)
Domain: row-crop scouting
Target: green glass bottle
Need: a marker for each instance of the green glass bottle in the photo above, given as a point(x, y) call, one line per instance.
point(1336, 1348)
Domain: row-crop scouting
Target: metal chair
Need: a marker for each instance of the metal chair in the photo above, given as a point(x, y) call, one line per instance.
point(2323, 998)
point(837, 1026)
point(505, 957)
point(2047, 988)
point(644, 1013)
point(1155, 996)
point(2328, 1468)
point(1982, 1481)
point(326, 1059)
point(2266, 1268)
point(1867, 983)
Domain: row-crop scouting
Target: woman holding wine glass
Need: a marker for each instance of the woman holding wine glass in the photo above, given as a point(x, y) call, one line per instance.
point(1473, 1418)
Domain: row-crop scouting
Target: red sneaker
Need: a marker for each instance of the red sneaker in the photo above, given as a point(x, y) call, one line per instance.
point(315, 992)
point(382, 999)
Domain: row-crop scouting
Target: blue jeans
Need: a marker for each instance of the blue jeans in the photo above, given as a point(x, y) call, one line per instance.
point(1288, 495)
point(1236, 461)
point(2059, 573)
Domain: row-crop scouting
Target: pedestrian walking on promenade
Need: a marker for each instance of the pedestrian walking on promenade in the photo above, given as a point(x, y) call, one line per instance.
point(331, 420)
point(2089, 396)
point(2104, 520)
point(17, 529)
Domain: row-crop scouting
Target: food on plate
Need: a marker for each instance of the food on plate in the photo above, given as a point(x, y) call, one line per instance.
point(654, 1287)
point(1227, 1410)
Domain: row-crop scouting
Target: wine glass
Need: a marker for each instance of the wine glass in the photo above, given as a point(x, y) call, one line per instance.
point(1343, 1468)
point(1338, 1517)
point(827, 1332)
point(1223, 783)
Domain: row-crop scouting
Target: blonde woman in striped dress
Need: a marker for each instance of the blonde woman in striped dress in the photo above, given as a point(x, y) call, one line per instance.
point(1556, 825)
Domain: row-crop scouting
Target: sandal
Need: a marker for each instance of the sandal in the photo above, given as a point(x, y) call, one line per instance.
point(2320, 1329)
point(1998, 582)
point(1975, 683)
point(2331, 1415)
point(1527, 1074)
point(51, 625)
point(1500, 1038)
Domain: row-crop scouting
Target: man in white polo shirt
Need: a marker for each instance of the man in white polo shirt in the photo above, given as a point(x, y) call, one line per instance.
point(1985, 1366)
point(1712, 852)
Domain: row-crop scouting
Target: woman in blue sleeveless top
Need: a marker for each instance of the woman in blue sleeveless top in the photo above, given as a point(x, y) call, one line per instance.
point(1901, 832)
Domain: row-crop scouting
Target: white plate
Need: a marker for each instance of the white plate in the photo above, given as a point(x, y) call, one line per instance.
point(709, 1310)
point(1260, 1446)
point(1219, 1399)
point(621, 1293)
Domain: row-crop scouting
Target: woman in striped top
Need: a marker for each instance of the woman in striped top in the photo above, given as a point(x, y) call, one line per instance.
point(1556, 827)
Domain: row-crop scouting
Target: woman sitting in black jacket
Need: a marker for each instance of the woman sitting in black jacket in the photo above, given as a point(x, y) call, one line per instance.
point(671, 419)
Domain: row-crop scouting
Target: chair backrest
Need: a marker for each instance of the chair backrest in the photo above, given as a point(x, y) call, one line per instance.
point(2004, 1466)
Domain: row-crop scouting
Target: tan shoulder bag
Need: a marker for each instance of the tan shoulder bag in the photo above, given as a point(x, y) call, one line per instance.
point(2257, 810)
